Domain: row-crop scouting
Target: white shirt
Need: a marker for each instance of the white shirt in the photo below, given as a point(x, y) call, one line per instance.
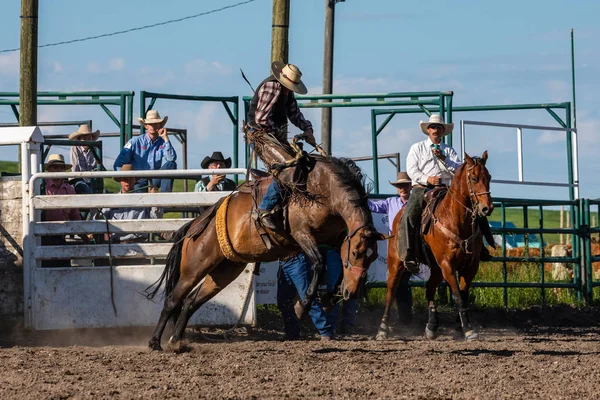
point(421, 163)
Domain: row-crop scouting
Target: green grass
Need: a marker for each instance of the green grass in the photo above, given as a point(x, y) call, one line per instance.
point(493, 297)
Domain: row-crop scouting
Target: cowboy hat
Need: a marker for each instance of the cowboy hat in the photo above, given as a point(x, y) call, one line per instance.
point(289, 76)
point(125, 167)
point(216, 156)
point(57, 159)
point(403, 179)
point(84, 130)
point(438, 120)
point(153, 117)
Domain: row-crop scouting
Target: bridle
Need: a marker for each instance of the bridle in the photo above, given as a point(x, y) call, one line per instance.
point(474, 197)
point(358, 271)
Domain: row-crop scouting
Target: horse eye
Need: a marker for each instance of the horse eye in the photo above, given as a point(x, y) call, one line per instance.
point(354, 253)
point(474, 179)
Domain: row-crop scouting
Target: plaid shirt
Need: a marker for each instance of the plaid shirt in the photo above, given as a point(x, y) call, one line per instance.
point(82, 159)
point(268, 95)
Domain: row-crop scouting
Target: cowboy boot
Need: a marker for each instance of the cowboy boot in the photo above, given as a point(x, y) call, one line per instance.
point(411, 263)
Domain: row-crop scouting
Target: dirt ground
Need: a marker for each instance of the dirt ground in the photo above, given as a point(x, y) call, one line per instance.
point(550, 353)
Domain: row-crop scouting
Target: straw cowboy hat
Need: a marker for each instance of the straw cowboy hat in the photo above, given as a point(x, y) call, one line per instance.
point(84, 130)
point(153, 117)
point(439, 120)
point(403, 179)
point(289, 76)
point(216, 156)
point(57, 159)
point(125, 167)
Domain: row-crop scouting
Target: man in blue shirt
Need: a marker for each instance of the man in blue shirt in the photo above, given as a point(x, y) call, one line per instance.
point(152, 151)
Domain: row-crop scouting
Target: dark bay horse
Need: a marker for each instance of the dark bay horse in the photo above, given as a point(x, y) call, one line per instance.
point(453, 245)
point(339, 215)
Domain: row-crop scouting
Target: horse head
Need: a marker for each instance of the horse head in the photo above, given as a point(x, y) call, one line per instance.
point(477, 179)
point(358, 251)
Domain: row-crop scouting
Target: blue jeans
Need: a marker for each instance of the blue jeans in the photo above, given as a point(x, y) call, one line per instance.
point(165, 184)
point(349, 307)
point(271, 198)
point(81, 187)
point(293, 277)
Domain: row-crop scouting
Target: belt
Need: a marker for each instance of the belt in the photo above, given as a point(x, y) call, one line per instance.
point(291, 256)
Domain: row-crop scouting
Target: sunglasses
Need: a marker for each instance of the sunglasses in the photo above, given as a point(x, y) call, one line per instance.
point(436, 126)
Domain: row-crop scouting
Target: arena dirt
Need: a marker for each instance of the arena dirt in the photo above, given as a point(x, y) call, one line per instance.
point(537, 353)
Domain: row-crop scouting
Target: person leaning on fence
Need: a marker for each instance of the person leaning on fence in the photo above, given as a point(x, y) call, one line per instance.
point(151, 151)
point(128, 186)
point(82, 157)
point(273, 103)
point(392, 206)
point(55, 187)
point(215, 183)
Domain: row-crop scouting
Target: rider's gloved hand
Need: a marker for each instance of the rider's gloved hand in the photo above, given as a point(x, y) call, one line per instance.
point(309, 136)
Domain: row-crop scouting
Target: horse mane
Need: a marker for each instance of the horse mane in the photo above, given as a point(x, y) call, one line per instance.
point(350, 175)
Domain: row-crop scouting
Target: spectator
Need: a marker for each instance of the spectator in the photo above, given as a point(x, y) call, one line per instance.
point(392, 206)
point(152, 151)
point(128, 186)
point(82, 157)
point(293, 278)
point(214, 183)
point(56, 163)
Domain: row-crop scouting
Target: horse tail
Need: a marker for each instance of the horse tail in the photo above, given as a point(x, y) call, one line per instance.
point(170, 274)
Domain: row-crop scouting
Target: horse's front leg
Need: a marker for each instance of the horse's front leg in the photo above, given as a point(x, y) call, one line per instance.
point(395, 272)
point(310, 248)
point(450, 277)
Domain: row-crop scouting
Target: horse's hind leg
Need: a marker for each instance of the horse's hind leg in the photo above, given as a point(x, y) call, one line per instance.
point(215, 281)
point(431, 329)
point(395, 272)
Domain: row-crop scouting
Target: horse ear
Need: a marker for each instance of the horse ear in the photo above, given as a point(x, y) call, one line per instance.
point(468, 159)
point(484, 157)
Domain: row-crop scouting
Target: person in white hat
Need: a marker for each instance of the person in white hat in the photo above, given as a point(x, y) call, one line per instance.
point(392, 206)
point(82, 157)
point(152, 151)
point(429, 163)
point(271, 107)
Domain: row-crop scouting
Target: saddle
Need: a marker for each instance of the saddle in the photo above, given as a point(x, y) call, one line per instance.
point(431, 200)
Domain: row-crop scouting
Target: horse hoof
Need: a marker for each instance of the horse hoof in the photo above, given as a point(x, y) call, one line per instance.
point(430, 334)
point(471, 335)
point(179, 346)
point(381, 335)
point(154, 346)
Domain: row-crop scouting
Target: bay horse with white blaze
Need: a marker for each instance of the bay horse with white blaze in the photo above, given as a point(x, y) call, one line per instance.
point(452, 244)
point(219, 251)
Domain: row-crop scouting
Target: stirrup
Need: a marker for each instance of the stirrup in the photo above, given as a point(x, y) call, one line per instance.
point(412, 266)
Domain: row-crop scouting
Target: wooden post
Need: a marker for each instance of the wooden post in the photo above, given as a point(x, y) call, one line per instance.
point(562, 224)
point(279, 31)
point(29, 48)
point(328, 73)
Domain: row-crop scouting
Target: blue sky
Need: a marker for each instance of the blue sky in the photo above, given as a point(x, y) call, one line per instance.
point(486, 52)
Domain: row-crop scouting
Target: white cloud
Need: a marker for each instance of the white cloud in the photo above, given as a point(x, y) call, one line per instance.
point(116, 64)
point(154, 78)
point(548, 137)
point(94, 68)
point(9, 63)
point(201, 68)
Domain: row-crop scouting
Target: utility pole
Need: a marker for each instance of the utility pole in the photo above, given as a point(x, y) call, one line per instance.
point(328, 73)
point(279, 31)
point(29, 49)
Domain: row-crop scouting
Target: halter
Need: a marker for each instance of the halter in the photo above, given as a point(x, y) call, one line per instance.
point(358, 271)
